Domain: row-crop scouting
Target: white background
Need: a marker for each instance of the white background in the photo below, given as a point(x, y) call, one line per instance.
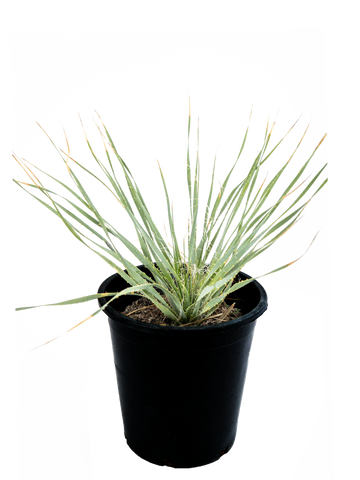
point(45, 69)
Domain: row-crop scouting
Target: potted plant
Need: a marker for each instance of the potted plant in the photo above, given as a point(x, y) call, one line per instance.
point(182, 321)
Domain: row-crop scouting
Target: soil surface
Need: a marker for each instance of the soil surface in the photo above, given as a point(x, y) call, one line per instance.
point(145, 311)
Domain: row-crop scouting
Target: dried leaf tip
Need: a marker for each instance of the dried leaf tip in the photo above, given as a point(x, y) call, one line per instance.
point(96, 116)
point(268, 117)
point(312, 115)
point(299, 117)
point(323, 138)
point(164, 228)
point(300, 219)
point(278, 110)
point(265, 178)
point(175, 197)
point(72, 328)
point(249, 118)
point(159, 164)
point(183, 241)
point(277, 114)
point(68, 148)
point(189, 100)
point(26, 165)
point(198, 120)
point(288, 130)
point(66, 138)
point(218, 184)
point(98, 121)
point(82, 125)
point(218, 146)
point(187, 89)
point(306, 251)
point(46, 134)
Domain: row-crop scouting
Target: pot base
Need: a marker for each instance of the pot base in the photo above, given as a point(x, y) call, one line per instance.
point(181, 469)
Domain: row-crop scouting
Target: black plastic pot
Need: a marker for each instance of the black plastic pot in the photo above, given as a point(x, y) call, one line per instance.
point(180, 387)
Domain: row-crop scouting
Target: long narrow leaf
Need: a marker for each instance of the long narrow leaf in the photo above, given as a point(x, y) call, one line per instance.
point(237, 227)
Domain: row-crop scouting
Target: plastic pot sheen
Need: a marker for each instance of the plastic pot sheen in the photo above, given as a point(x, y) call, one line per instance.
point(180, 388)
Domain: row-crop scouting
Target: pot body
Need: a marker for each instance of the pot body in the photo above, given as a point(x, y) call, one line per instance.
point(180, 388)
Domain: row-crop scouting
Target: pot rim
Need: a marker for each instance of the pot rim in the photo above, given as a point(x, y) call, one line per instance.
point(249, 317)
